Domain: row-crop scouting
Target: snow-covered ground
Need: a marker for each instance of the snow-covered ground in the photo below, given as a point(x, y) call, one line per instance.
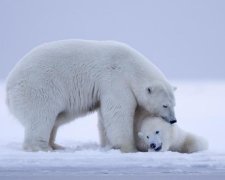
point(200, 109)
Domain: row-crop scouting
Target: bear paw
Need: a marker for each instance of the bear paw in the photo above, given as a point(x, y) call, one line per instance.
point(36, 147)
point(57, 147)
point(128, 149)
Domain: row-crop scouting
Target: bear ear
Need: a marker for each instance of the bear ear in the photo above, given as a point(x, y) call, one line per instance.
point(174, 88)
point(140, 135)
point(149, 89)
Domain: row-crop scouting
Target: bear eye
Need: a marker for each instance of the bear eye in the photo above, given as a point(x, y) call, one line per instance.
point(157, 132)
point(149, 90)
point(147, 137)
point(165, 106)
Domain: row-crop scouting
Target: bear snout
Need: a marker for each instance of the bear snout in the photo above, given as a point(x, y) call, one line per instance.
point(173, 121)
point(154, 147)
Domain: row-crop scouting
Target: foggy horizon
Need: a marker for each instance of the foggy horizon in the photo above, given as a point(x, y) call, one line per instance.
point(185, 39)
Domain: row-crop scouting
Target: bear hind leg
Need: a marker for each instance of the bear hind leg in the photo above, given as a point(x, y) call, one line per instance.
point(52, 143)
point(62, 118)
point(37, 134)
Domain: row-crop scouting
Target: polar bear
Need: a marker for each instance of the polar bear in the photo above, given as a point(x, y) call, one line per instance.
point(60, 81)
point(153, 134)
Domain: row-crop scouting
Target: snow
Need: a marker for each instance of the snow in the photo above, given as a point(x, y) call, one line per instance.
point(199, 109)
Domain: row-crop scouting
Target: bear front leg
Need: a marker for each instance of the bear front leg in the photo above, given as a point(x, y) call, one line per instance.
point(118, 115)
point(102, 133)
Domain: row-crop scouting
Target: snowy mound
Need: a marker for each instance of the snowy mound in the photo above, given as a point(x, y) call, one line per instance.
point(199, 110)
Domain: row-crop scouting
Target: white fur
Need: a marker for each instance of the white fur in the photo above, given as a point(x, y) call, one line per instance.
point(170, 137)
point(60, 81)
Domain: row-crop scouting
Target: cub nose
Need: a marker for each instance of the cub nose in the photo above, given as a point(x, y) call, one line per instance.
point(152, 145)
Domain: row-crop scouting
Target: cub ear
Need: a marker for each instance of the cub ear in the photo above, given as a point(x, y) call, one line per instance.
point(140, 135)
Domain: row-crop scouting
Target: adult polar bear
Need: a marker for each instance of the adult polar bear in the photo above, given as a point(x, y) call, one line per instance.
point(60, 81)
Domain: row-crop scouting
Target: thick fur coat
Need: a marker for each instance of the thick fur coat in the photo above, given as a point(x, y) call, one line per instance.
point(60, 81)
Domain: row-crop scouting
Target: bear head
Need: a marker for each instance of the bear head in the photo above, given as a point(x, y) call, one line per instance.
point(154, 135)
point(157, 98)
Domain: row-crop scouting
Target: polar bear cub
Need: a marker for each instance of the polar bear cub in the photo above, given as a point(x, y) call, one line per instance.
point(154, 134)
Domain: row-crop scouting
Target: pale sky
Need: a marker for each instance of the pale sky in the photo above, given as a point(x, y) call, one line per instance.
point(184, 38)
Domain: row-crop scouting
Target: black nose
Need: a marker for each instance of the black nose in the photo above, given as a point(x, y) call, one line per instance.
point(152, 145)
point(173, 121)
point(158, 148)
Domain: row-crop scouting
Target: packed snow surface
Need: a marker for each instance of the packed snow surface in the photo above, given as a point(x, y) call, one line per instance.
point(199, 109)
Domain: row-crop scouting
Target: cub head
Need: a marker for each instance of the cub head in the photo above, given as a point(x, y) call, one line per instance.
point(158, 99)
point(154, 134)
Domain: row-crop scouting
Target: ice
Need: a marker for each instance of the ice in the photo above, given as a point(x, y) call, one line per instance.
point(199, 109)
